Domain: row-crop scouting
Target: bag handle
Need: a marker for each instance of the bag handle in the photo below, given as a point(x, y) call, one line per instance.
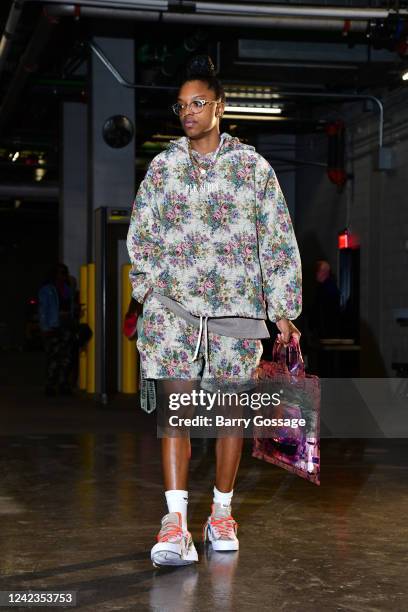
point(289, 357)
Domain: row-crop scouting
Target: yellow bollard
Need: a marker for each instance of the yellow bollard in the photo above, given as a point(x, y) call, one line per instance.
point(83, 318)
point(130, 357)
point(90, 349)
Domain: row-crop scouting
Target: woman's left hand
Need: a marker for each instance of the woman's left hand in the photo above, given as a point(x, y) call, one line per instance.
point(287, 329)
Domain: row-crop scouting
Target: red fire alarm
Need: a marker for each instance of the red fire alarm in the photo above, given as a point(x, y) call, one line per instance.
point(347, 240)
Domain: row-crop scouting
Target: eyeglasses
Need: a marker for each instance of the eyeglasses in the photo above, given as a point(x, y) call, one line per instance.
point(196, 106)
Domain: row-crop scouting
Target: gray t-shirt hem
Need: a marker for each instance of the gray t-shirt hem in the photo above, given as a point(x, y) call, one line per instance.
point(233, 327)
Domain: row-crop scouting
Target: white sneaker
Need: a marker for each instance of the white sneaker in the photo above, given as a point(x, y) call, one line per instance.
point(221, 529)
point(174, 546)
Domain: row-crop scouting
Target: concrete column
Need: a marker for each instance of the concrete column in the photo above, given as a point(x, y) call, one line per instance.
point(111, 185)
point(112, 170)
point(73, 215)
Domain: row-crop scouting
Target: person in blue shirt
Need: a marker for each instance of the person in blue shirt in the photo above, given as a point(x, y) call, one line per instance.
point(56, 310)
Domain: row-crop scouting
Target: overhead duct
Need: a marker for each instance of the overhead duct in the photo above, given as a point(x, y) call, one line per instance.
point(245, 10)
point(278, 22)
point(344, 19)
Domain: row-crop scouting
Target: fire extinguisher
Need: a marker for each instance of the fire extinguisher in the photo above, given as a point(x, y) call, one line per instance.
point(336, 153)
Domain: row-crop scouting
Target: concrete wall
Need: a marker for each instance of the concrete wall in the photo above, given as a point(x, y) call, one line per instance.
point(374, 205)
point(276, 148)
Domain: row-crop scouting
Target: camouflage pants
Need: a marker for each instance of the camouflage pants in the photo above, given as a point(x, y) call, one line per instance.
point(59, 351)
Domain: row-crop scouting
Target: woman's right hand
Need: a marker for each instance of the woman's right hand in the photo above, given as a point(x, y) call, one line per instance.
point(130, 325)
point(287, 329)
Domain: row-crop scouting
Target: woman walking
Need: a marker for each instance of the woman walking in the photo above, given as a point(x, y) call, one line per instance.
point(213, 256)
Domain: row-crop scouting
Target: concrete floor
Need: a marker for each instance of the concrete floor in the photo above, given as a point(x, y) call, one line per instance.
point(81, 501)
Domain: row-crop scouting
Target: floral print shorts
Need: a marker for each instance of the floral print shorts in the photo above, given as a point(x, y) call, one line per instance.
point(167, 344)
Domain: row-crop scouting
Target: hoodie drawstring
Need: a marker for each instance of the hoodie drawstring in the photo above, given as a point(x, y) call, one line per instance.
point(200, 333)
point(199, 339)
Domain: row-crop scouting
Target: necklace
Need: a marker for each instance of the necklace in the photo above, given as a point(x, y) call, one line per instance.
point(199, 169)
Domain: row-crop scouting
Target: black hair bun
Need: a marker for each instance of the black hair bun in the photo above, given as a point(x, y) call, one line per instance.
point(200, 65)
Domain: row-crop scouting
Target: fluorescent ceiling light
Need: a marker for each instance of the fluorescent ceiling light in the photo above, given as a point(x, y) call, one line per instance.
point(253, 109)
point(259, 93)
point(405, 76)
point(253, 117)
point(254, 95)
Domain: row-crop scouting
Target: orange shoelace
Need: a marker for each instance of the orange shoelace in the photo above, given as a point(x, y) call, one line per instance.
point(170, 531)
point(224, 525)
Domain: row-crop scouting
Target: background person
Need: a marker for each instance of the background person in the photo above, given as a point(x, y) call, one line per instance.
point(57, 312)
point(325, 313)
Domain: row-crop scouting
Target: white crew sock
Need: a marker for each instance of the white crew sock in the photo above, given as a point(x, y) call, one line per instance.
point(177, 501)
point(224, 499)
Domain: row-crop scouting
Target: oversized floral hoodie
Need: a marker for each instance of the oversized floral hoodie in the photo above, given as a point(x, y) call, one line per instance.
point(224, 248)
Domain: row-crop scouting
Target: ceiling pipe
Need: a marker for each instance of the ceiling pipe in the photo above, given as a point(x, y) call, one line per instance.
point(288, 23)
point(277, 95)
point(10, 30)
point(117, 75)
point(248, 10)
point(345, 98)
point(48, 192)
point(341, 12)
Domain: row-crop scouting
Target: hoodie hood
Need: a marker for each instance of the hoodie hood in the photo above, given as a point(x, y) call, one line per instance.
point(227, 143)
